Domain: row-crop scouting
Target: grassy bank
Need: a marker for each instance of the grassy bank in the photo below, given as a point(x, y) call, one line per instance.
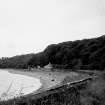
point(86, 92)
point(62, 95)
point(89, 91)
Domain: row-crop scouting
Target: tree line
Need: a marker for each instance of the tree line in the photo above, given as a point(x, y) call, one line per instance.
point(80, 54)
point(18, 62)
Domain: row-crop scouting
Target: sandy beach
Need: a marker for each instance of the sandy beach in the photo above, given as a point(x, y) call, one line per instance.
point(50, 79)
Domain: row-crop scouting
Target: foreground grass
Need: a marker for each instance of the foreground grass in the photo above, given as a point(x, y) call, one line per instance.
point(62, 95)
point(90, 91)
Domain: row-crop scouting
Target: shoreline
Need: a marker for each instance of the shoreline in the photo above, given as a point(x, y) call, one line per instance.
point(48, 79)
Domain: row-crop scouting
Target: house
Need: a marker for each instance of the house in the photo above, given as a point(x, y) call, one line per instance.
point(49, 66)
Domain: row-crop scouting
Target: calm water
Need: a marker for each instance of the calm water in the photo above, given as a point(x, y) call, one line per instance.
point(14, 85)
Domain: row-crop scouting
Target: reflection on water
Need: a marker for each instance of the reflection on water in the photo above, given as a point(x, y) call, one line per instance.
point(14, 85)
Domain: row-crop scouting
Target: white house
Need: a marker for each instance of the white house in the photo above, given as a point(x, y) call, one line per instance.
point(49, 66)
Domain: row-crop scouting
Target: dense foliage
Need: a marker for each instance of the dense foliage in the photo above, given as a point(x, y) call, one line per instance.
point(16, 61)
point(39, 59)
point(79, 54)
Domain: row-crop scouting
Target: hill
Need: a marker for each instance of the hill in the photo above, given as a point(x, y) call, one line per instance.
point(86, 54)
point(79, 54)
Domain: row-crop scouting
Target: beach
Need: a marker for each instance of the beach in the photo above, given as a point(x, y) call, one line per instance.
point(51, 79)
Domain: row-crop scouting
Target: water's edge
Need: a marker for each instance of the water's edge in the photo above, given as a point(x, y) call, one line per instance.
point(16, 85)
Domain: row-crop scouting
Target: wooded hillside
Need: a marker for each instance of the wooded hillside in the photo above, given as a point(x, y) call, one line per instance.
point(16, 61)
point(79, 54)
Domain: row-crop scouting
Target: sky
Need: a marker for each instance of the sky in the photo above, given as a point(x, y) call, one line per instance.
point(28, 26)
